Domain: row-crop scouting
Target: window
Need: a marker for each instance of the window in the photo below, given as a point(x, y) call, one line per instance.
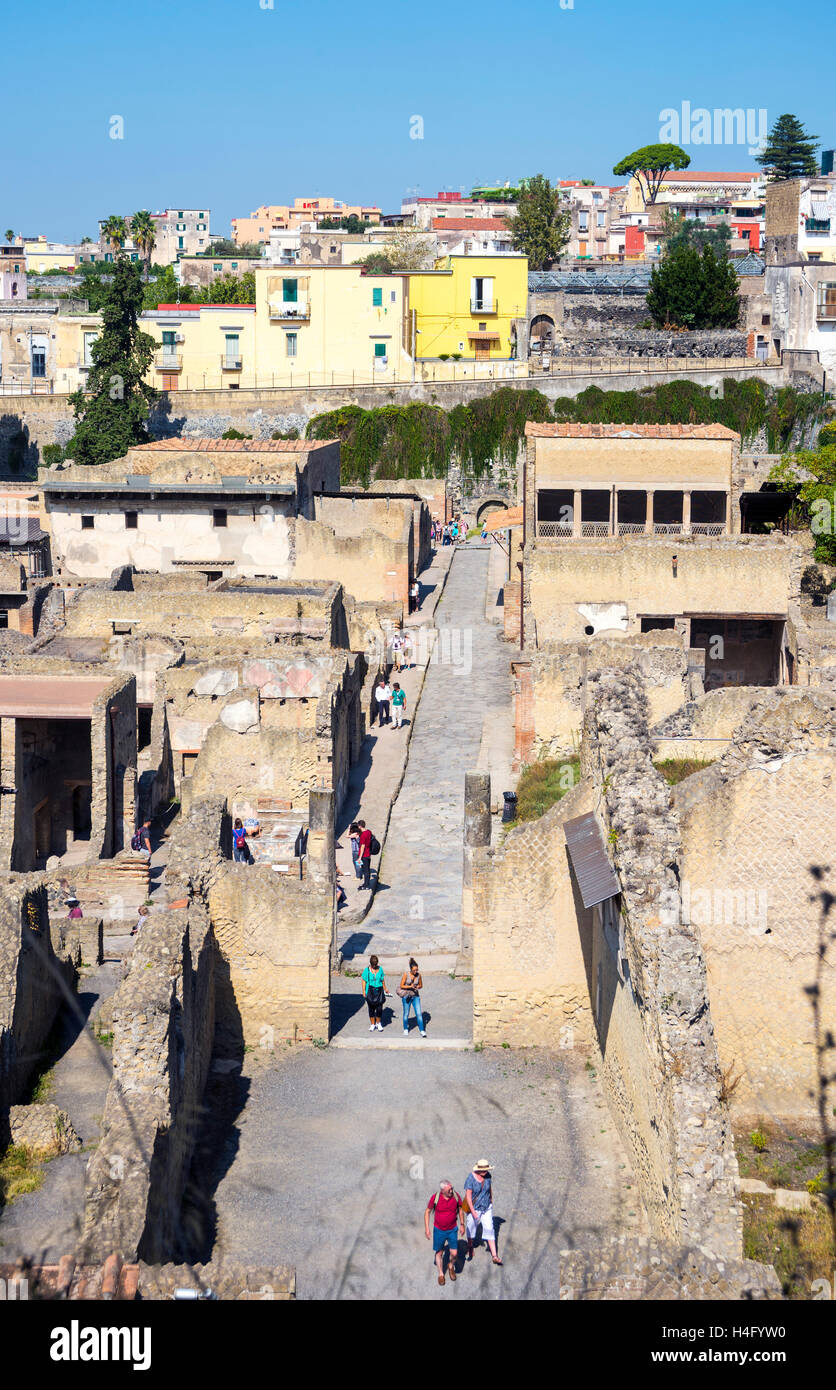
point(290, 291)
point(231, 357)
point(217, 267)
point(87, 523)
point(202, 214)
point(89, 340)
point(291, 341)
point(4, 617)
point(234, 265)
point(602, 219)
point(219, 516)
point(108, 255)
point(131, 521)
point(393, 296)
point(377, 298)
point(38, 359)
point(380, 349)
point(583, 222)
point(180, 243)
point(134, 256)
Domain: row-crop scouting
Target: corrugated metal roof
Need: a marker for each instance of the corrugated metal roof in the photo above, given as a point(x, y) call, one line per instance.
point(593, 871)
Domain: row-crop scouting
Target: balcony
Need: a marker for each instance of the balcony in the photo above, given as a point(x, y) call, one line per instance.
point(290, 313)
point(817, 226)
point(166, 361)
point(230, 363)
point(484, 306)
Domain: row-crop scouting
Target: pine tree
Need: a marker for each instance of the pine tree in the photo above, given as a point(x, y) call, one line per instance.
point(541, 228)
point(111, 414)
point(790, 152)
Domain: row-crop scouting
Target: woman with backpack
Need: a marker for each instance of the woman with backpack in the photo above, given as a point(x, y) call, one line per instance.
point(409, 990)
point(374, 992)
point(240, 848)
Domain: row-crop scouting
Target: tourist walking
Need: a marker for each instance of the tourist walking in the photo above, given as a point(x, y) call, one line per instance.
point(341, 895)
point(383, 694)
point(367, 841)
point(414, 594)
point(354, 841)
point(478, 1196)
point(409, 990)
point(141, 839)
point(374, 993)
point(448, 1227)
point(398, 650)
point(398, 706)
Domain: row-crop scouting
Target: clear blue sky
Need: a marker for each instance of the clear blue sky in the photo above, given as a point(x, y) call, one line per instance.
point(230, 105)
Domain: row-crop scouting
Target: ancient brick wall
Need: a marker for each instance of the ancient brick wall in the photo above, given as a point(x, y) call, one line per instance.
point(756, 826)
point(33, 981)
point(530, 935)
point(163, 1031)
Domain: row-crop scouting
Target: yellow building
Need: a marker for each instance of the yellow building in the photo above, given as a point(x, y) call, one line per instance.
point(468, 306)
point(336, 325)
point(49, 255)
point(202, 346)
point(327, 324)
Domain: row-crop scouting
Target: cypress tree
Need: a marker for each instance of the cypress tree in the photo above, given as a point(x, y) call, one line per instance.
point(111, 414)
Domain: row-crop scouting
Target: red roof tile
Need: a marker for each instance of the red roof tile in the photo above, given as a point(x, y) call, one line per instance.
point(534, 430)
point(232, 446)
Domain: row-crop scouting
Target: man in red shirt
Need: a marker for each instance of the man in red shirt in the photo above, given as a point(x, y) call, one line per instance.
point(365, 853)
point(448, 1227)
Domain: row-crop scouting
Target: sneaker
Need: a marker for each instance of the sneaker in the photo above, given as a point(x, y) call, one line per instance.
point(423, 1034)
point(379, 1027)
point(372, 1027)
point(406, 1032)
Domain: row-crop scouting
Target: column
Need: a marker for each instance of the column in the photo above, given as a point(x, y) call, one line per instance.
point(686, 513)
point(613, 511)
point(477, 833)
point(320, 849)
point(576, 512)
point(648, 519)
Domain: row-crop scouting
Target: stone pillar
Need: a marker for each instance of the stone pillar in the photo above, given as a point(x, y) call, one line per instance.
point(686, 513)
point(320, 849)
point(648, 517)
point(477, 832)
point(577, 503)
point(614, 511)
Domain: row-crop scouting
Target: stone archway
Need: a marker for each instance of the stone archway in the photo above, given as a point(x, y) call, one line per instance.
point(541, 334)
point(486, 505)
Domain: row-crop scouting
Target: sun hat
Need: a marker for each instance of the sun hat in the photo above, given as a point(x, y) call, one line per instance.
point(483, 1166)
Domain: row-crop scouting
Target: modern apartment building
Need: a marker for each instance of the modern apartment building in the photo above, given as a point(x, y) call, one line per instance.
point(304, 212)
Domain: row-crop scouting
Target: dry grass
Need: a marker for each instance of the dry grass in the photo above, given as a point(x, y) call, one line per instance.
point(20, 1172)
point(677, 769)
point(543, 784)
point(797, 1244)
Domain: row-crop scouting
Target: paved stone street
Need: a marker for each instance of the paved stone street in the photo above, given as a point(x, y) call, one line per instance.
point(417, 905)
point(334, 1156)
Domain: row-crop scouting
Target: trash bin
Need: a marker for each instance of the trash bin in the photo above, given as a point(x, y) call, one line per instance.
point(509, 809)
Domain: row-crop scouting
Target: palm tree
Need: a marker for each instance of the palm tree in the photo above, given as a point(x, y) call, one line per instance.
point(115, 230)
point(144, 235)
point(10, 236)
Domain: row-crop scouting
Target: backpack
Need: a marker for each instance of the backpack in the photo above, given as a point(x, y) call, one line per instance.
point(136, 841)
point(240, 838)
point(374, 845)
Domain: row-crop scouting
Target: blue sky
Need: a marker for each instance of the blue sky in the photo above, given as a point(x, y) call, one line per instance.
point(231, 105)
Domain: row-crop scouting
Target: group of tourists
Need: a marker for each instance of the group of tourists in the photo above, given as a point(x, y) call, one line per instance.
point(450, 532)
point(373, 982)
point(390, 698)
point(456, 1218)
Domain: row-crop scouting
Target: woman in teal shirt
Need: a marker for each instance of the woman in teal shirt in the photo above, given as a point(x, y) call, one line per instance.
point(374, 991)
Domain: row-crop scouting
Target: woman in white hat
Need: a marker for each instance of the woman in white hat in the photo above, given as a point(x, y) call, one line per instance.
point(478, 1197)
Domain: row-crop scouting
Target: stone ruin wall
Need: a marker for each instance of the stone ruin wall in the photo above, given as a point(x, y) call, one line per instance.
point(661, 1070)
point(755, 828)
point(34, 980)
point(163, 1031)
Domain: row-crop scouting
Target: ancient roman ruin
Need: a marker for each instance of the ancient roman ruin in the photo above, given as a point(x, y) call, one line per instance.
point(204, 651)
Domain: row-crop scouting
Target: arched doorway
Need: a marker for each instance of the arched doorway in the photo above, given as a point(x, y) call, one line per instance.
point(541, 335)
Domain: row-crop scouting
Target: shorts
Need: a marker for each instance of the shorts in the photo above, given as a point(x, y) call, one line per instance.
point(442, 1238)
point(483, 1219)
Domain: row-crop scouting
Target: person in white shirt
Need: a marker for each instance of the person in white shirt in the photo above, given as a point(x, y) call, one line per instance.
point(383, 694)
point(398, 650)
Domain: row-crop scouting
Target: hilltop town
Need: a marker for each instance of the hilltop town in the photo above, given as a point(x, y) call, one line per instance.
point(381, 589)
